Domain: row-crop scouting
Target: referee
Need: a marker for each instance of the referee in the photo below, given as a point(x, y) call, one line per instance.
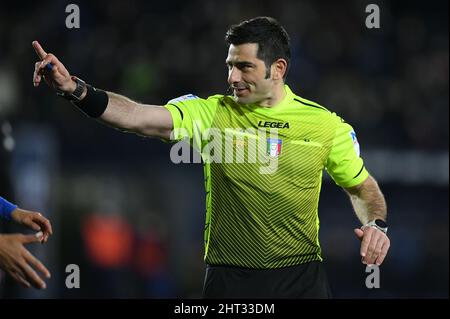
point(261, 230)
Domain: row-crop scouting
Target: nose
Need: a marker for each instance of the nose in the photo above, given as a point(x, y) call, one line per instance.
point(234, 75)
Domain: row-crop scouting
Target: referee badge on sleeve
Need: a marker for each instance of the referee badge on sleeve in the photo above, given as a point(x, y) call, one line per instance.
point(355, 143)
point(183, 98)
point(273, 147)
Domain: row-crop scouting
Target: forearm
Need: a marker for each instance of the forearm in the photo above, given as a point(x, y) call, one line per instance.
point(368, 201)
point(116, 110)
point(121, 112)
point(125, 114)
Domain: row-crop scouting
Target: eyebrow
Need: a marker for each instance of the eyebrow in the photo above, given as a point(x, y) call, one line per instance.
point(240, 64)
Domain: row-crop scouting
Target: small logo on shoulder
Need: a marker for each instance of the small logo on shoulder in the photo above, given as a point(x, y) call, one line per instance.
point(355, 143)
point(184, 98)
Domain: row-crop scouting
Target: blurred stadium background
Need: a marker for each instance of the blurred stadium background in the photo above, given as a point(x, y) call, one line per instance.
point(133, 221)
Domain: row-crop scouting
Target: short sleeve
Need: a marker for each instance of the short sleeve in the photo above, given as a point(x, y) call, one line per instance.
point(191, 116)
point(344, 163)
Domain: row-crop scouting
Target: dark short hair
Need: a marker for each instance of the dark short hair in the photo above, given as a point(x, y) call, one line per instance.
point(272, 39)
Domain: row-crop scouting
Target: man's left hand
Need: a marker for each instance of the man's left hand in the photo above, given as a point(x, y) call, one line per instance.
point(374, 245)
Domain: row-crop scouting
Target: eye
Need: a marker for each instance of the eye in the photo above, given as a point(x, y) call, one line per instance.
point(246, 67)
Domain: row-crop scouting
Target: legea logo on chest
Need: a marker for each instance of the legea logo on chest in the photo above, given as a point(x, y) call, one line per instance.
point(273, 124)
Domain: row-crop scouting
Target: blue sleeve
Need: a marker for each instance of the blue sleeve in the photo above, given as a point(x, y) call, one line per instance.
point(6, 208)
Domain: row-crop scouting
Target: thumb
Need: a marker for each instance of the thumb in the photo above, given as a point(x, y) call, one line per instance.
point(57, 74)
point(359, 233)
point(55, 71)
point(28, 239)
point(57, 77)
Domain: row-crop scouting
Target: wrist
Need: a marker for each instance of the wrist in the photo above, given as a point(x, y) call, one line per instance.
point(72, 87)
point(93, 102)
point(83, 95)
point(378, 223)
point(15, 215)
point(76, 90)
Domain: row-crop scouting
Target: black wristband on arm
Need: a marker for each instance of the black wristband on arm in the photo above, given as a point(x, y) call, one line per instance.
point(94, 103)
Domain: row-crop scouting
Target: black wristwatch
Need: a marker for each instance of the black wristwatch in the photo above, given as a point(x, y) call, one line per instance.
point(378, 224)
point(76, 95)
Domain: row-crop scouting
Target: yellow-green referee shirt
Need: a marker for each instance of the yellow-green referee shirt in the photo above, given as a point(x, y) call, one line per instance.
point(257, 218)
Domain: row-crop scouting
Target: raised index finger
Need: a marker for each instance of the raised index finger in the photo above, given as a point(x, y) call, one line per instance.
point(39, 50)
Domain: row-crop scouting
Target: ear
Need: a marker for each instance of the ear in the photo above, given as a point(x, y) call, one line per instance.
point(279, 68)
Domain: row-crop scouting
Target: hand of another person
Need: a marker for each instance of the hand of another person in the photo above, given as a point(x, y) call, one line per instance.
point(34, 221)
point(18, 262)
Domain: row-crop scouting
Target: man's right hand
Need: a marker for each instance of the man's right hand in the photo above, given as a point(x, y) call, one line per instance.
point(17, 261)
point(58, 77)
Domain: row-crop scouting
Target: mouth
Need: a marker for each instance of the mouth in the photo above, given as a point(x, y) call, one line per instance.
point(240, 90)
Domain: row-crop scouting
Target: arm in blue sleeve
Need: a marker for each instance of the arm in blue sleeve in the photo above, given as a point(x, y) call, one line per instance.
point(6, 208)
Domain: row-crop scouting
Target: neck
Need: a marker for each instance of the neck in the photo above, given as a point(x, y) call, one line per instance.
point(277, 95)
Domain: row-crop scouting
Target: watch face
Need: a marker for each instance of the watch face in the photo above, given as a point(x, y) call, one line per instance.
point(380, 223)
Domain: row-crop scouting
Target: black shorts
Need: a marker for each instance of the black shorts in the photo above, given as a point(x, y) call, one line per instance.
point(303, 281)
